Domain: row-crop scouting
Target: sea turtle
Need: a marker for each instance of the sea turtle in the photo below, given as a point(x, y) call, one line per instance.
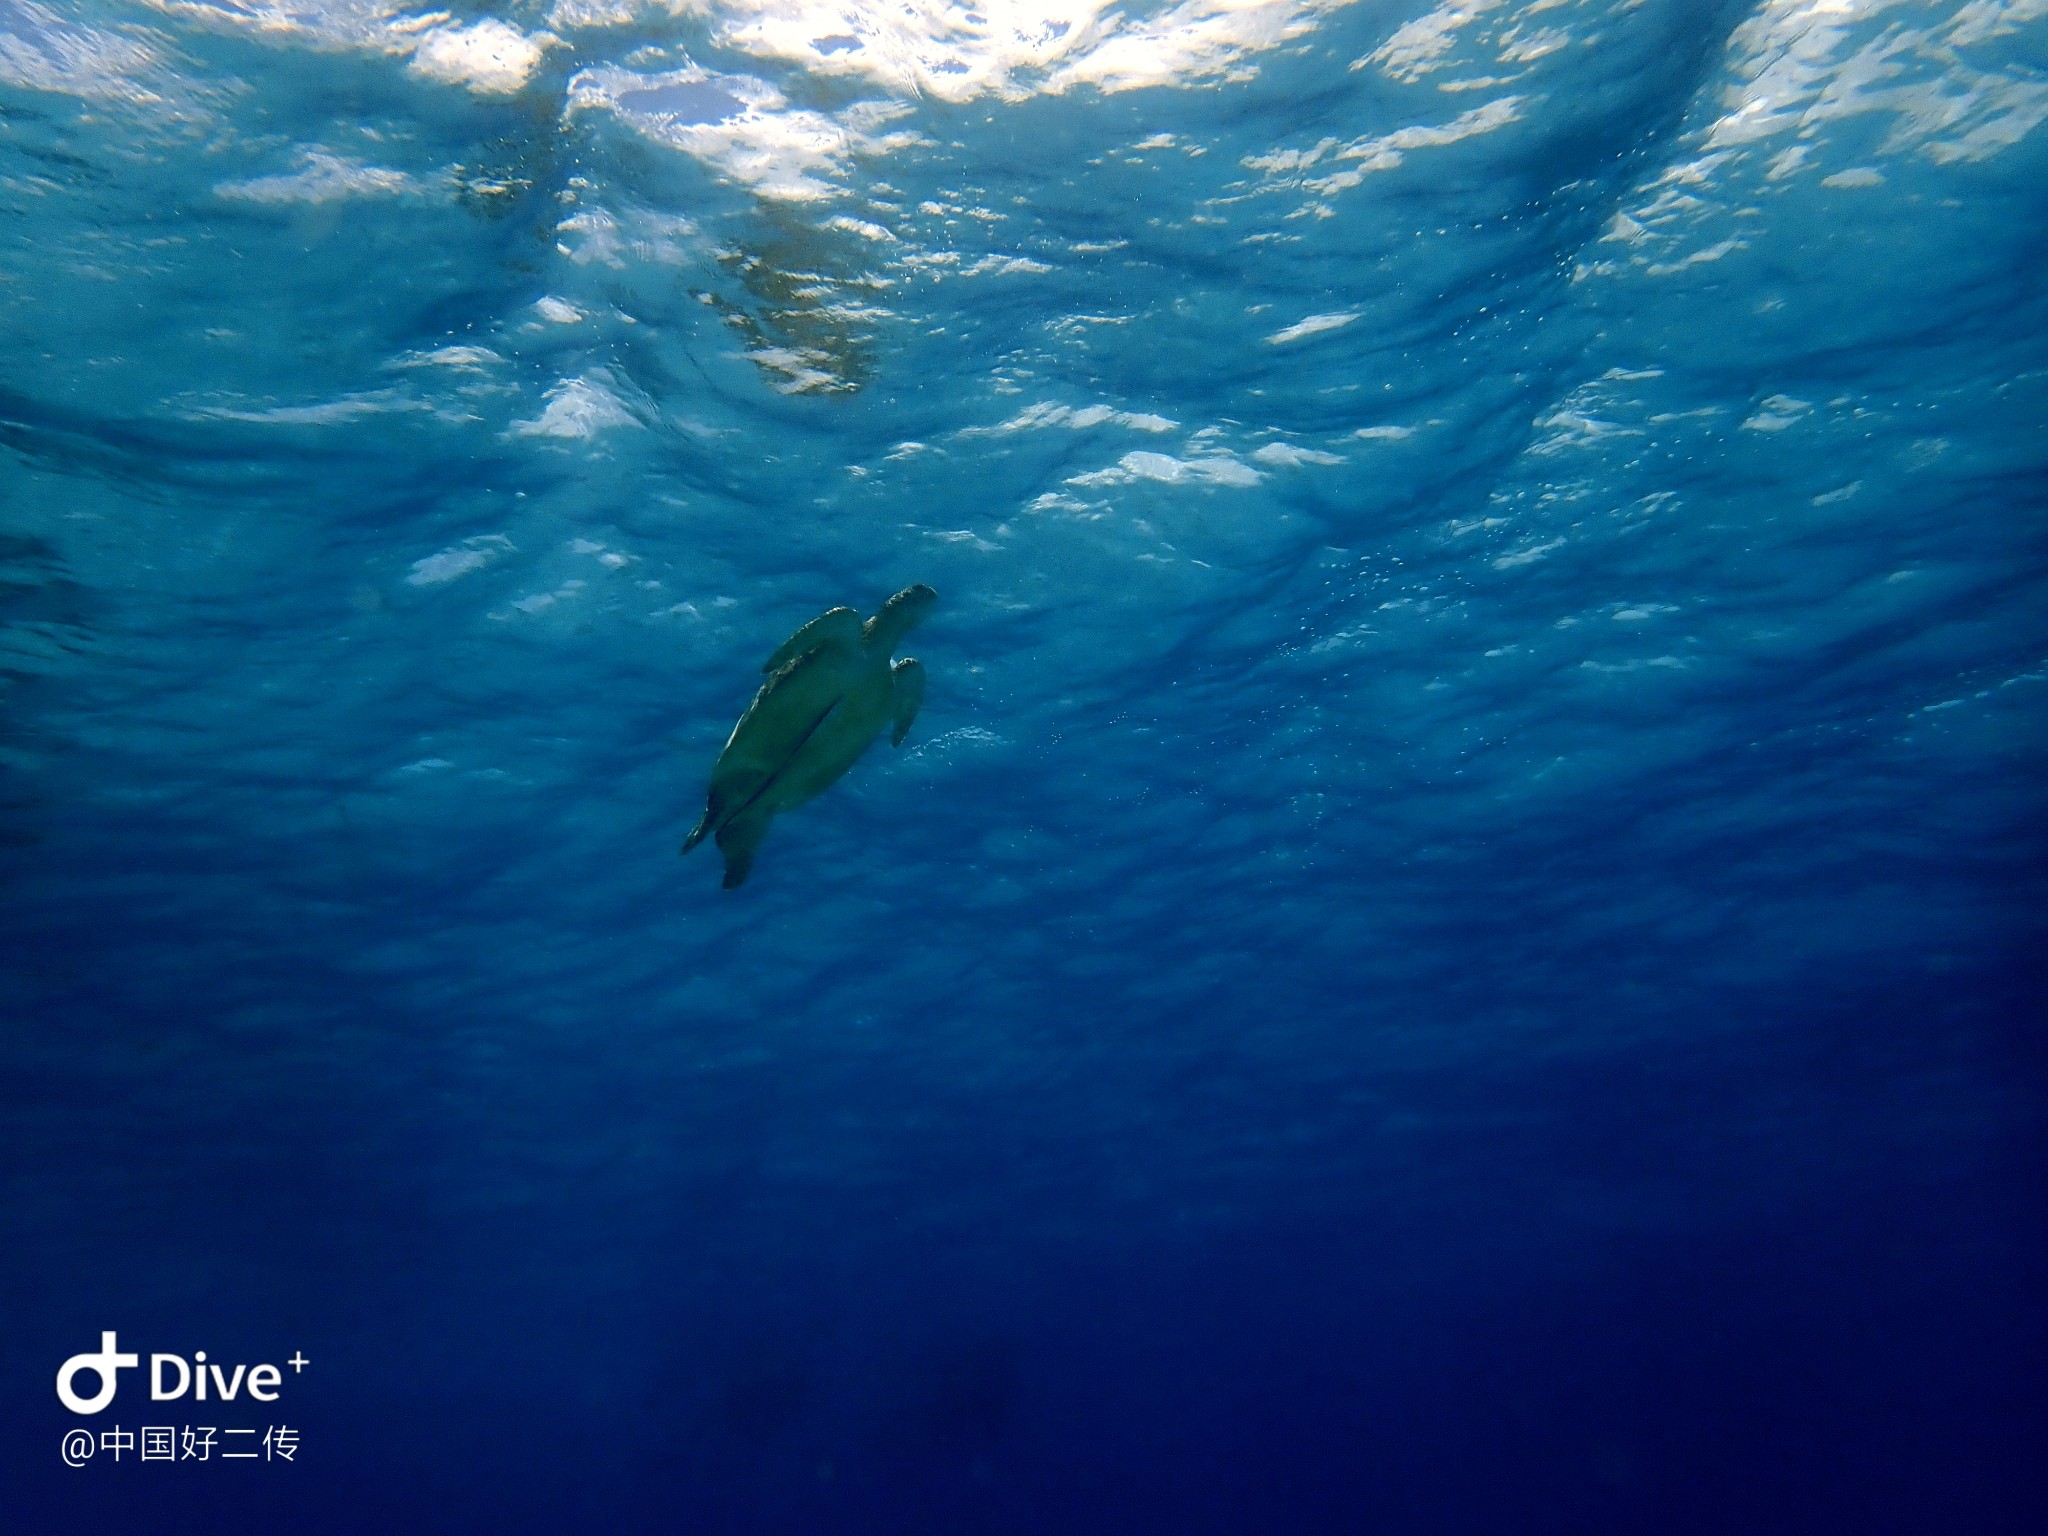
point(830, 690)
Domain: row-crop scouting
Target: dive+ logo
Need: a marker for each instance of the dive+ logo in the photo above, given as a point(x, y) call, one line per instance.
point(261, 1382)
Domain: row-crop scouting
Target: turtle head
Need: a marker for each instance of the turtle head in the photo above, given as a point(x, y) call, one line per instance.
point(899, 616)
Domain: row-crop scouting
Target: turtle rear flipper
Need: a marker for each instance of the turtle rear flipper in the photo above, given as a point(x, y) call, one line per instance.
point(699, 832)
point(739, 839)
point(784, 715)
point(725, 800)
point(907, 695)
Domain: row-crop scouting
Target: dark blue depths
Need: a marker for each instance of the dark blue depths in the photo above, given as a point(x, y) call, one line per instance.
point(1455, 948)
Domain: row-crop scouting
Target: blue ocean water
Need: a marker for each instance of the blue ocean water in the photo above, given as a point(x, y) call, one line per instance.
point(1456, 945)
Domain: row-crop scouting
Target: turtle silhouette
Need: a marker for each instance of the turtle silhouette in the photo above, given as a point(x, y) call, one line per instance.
point(830, 690)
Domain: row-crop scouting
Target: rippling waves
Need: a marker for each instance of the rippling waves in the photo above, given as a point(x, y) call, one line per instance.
point(1469, 536)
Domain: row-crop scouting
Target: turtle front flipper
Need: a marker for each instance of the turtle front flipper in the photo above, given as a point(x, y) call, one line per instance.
point(907, 694)
point(739, 839)
point(837, 627)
